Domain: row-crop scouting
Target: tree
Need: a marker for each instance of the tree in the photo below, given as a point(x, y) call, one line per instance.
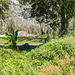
point(38, 18)
point(23, 1)
point(11, 26)
point(52, 20)
point(66, 9)
point(38, 11)
point(44, 9)
point(3, 7)
point(41, 20)
point(12, 38)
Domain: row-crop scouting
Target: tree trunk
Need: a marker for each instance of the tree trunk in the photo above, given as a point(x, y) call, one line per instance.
point(48, 30)
point(1, 27)
point(64, 26)
point(53, 34)
point(67, 24)
point(63, 23)
point(41, 31)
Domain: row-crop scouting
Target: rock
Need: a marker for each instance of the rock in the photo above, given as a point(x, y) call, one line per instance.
point(25, 34)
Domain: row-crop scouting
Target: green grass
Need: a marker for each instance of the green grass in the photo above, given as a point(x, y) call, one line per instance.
point(30, 40)
point(56, 57)
point(23, 40)
point(13, 63)
point(2, 41)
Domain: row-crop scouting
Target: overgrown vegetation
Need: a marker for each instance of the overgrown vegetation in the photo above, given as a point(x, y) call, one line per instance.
point(23, 40)
point(53, 58)
point(12, 38)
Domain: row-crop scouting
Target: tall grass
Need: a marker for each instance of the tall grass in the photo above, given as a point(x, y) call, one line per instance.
point(53, 58)
point(13, 63)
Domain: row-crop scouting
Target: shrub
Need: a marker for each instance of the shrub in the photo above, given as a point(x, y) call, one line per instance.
point(13, 63)
point(12, 38)
point(51, 50)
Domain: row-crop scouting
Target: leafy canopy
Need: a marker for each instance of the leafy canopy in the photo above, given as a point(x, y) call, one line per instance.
point(3, 8)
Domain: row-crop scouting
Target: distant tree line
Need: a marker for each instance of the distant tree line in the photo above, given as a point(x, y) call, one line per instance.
point(52, 13)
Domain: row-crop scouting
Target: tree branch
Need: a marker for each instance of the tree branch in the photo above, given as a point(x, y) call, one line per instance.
point(57, 9)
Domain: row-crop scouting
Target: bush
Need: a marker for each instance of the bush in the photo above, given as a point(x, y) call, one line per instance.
point(59, 54)
point(13, 63)
point(52, 49)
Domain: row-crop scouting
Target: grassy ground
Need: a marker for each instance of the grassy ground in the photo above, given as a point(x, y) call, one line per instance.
point(2, 41)
point(30, 40)
point(23, 40)
point(56, 57)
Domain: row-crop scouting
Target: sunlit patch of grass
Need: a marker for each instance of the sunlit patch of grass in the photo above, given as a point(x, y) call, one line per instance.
point(23, 40)
point(2, 41)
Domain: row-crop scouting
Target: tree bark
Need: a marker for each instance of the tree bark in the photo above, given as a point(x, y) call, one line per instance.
point(53, 34)
point(1, 27)
point(67, 24)
point(63, 23)
point(41, 31)
point(48, 30)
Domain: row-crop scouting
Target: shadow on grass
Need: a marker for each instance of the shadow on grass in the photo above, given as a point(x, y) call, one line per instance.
point(24, 47)
point(27, 47)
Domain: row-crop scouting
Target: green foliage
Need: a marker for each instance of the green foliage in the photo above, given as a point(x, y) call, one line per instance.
point(12, 38)
point(41, 11)
point(64, 7)
point(22, 40)
point(13, 63)
point(52, 52)
point(23, 1)
point(37, 63)
point(3, 7)
point(53, 49)
point(59, 53)
point(47, 39)
point(11, 26)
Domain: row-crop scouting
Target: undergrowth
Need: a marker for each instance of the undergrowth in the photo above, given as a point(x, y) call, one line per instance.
point(56, 57)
